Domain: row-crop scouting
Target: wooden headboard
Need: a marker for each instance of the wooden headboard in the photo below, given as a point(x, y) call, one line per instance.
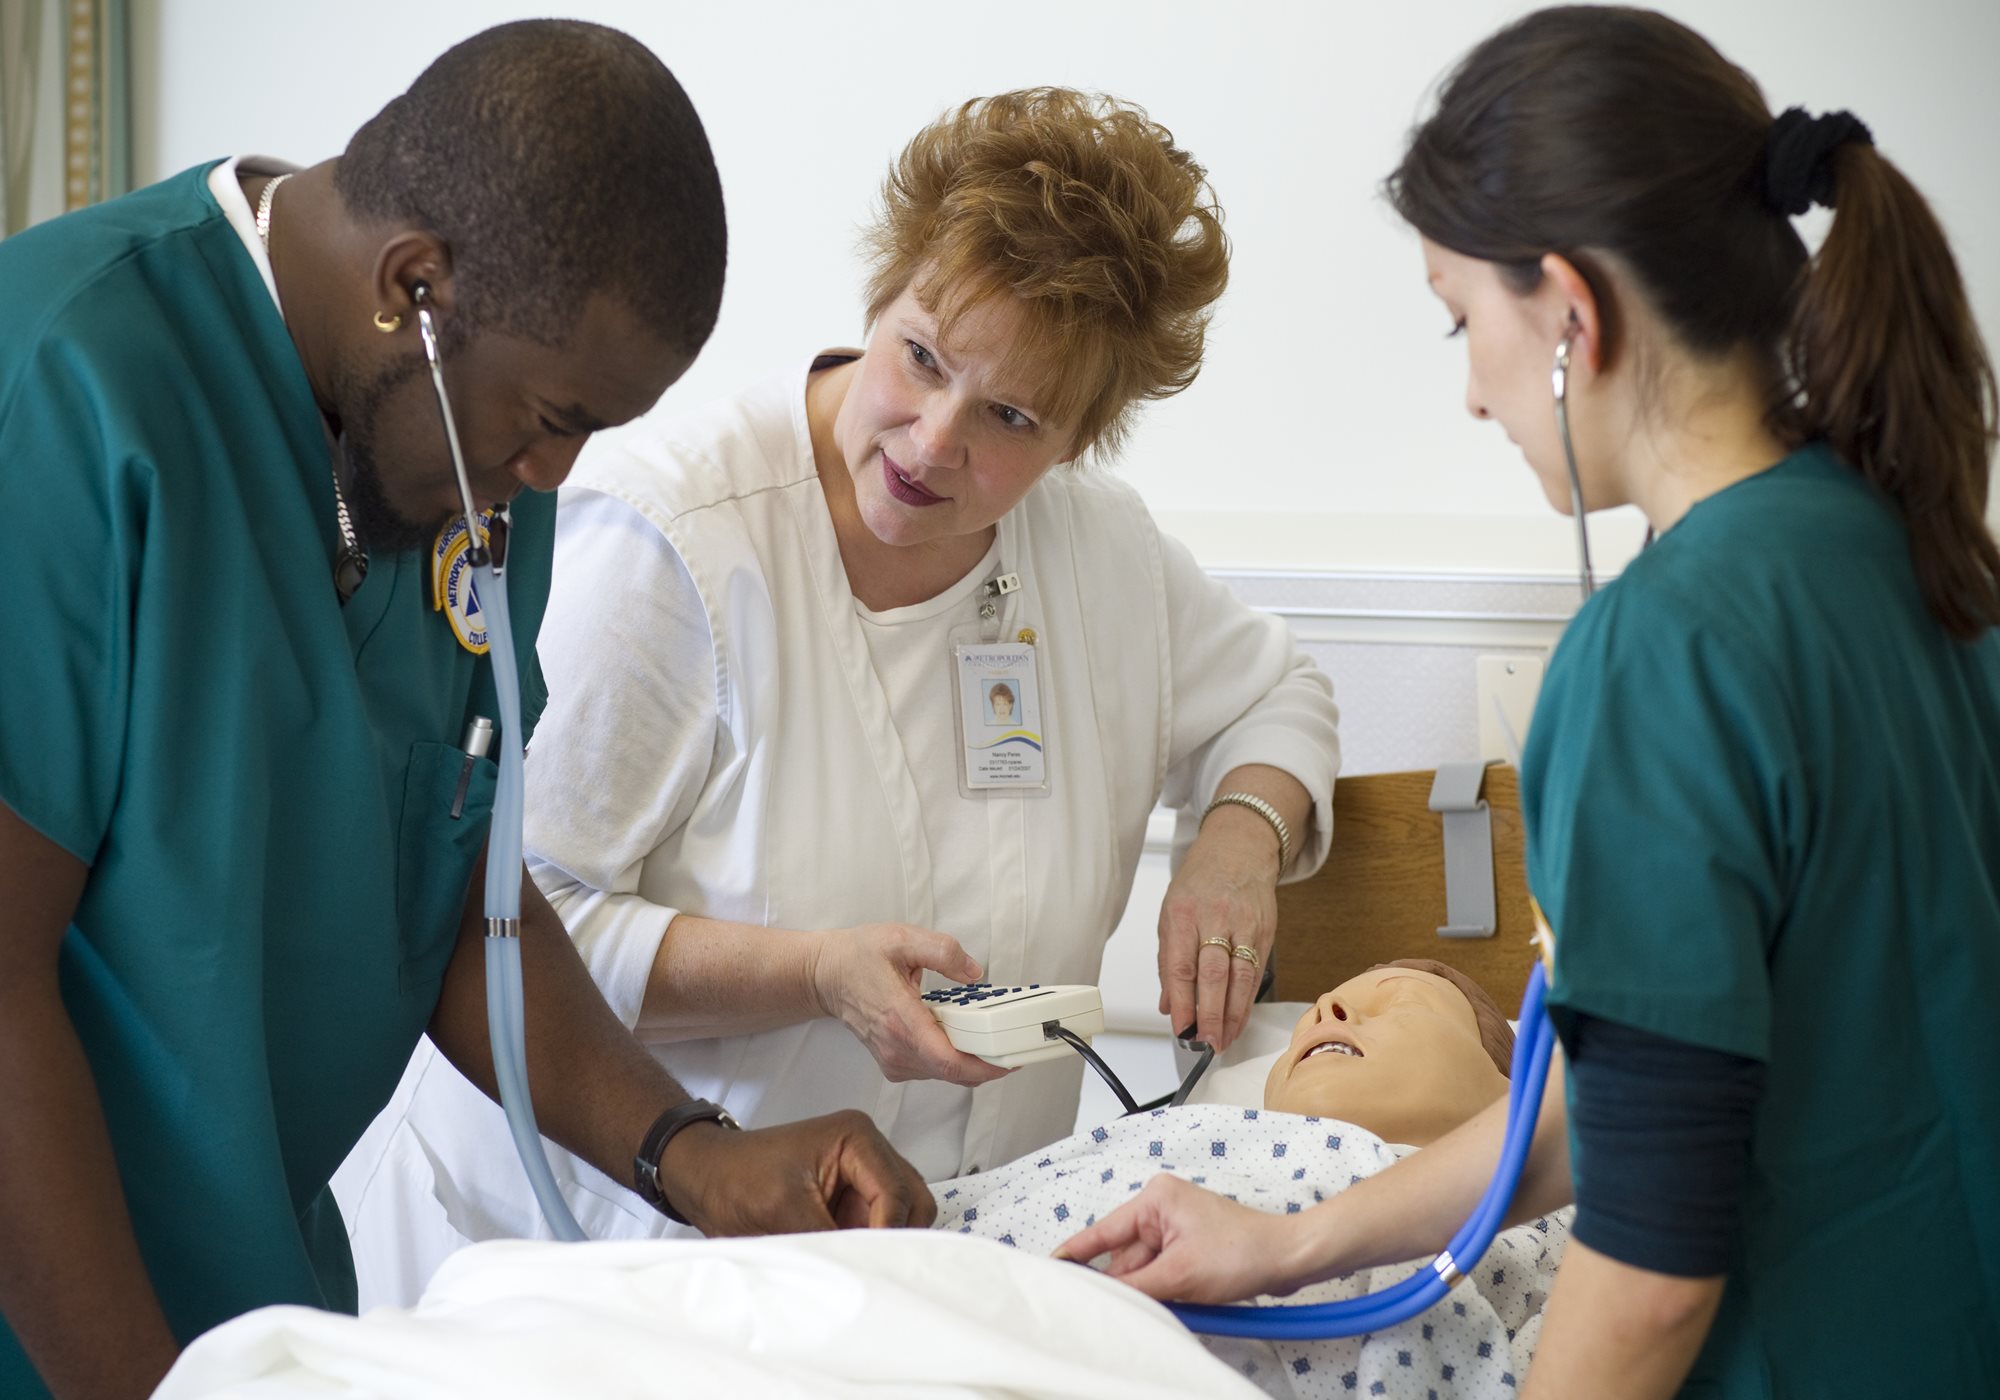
point(1381, 893)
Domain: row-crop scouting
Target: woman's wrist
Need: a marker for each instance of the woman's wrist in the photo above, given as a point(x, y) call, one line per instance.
point(820, 973)
point(1250, 804)
point(1246, 838)
point(1321, 1244)
point(713, 977)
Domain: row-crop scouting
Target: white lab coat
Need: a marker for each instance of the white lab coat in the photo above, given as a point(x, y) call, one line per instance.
point(784, 795)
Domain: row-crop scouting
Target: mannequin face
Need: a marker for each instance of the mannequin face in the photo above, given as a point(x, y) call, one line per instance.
point(1412, 1068)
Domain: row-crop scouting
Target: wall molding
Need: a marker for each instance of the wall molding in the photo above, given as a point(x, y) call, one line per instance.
point(1507, 612)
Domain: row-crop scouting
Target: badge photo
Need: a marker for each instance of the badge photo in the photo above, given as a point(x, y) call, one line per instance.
point(1003, 702)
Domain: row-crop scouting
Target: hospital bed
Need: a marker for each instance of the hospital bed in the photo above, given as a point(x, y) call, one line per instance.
point(902, 1313)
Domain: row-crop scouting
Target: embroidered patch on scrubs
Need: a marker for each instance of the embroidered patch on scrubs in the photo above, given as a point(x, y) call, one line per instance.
point(455, 588)
point(1001, 742)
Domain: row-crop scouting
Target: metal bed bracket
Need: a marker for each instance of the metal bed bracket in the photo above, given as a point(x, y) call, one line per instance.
point(1468, 851)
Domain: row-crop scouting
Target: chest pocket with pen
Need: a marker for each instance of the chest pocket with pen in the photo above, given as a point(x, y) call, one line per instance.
point(447, 806)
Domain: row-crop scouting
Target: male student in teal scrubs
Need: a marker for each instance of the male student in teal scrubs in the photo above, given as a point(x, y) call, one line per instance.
point(237, 829)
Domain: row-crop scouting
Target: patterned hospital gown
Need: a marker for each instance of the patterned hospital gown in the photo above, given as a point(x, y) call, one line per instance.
point(1475, 1343)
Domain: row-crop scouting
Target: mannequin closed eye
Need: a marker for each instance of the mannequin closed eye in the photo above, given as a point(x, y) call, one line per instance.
point(1397, 1050)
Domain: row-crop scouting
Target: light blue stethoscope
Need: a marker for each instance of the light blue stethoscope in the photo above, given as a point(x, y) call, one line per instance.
point(505, 1015)
point(1533, 1047)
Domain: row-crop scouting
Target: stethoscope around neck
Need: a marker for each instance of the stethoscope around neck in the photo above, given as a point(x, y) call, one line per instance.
point(506, 1020)
point(1533, 1048)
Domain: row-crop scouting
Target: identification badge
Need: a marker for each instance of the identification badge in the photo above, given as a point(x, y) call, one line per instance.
point(997, 687)
point(454, 586)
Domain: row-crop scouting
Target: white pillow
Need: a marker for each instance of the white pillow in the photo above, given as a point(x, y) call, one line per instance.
point(1238, 1075)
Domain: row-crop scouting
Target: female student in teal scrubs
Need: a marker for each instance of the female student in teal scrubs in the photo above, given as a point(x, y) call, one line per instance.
point(1763, 786)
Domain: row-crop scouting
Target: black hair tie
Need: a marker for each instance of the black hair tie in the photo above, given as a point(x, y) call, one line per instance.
point(1798, 157)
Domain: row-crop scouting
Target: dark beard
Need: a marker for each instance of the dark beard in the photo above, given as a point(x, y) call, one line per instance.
point(378, 525)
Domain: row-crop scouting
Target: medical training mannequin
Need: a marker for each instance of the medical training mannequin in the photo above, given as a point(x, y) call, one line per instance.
point(237, 830)
point(1423, 1051)
point(1774, 941)
point(761, 799)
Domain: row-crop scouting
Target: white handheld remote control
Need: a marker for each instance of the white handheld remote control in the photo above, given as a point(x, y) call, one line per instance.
point(1003, 1025)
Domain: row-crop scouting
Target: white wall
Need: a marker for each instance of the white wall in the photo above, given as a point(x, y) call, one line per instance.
point(1327, 430)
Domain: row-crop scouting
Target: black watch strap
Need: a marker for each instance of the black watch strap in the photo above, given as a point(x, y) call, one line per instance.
point(646, 1166)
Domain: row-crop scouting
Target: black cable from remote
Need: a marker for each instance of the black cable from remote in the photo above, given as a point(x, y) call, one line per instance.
point(1055, 1030)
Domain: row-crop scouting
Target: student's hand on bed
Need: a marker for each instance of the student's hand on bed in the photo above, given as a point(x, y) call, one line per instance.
point(1226, 890)
point(1176, 1241)
point(871, 979)
point(832, 1172)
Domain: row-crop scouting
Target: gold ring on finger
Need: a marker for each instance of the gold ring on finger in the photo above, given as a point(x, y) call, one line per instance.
point(1248, 954)
point(1221, 943)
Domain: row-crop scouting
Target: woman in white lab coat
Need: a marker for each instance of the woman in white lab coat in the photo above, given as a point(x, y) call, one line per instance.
point(771, 790)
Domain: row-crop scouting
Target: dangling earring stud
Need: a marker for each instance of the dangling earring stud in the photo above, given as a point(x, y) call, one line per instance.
point(388, 325)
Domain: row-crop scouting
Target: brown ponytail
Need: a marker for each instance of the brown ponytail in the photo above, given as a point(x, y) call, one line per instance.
point(1587, 129)
point(1890, 370)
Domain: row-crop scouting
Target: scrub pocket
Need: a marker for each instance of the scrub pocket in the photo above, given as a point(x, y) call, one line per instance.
point(435, 854)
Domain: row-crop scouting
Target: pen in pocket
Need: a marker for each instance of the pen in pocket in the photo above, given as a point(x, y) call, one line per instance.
point(478, 739)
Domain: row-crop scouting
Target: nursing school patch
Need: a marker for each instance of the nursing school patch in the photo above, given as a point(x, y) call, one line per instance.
point(455, 587)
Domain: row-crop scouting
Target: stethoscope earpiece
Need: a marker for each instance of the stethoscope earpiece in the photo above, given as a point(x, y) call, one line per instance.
point(420, 293)
point(1559, 382)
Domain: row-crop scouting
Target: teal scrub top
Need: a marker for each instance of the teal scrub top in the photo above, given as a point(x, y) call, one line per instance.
point(1762, 795)
point(259, 779)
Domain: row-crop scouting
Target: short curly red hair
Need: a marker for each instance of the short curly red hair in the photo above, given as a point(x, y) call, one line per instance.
point(1085, 212)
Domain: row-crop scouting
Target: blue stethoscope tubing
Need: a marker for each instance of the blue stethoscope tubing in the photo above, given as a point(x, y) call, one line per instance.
point(1352, 1317)
point(506, 1019)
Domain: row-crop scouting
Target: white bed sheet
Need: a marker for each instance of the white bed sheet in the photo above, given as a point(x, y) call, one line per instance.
point(903, 1313)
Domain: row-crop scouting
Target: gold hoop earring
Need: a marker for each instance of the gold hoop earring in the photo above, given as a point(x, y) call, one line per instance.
point(388, 325)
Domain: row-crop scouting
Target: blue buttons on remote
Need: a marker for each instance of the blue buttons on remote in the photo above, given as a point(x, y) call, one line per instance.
point(974, 992)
